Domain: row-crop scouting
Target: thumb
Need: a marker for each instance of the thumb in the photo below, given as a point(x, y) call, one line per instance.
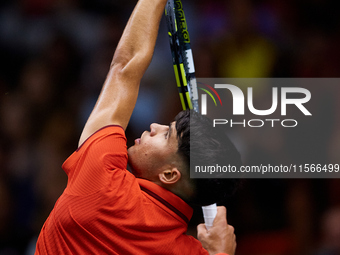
point(221, 216)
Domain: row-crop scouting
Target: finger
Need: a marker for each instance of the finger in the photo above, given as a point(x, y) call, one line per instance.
point(231, 229)
point(201, 230)
point(201, 227)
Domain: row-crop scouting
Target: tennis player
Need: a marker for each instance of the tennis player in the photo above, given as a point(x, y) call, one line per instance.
point(105, 209)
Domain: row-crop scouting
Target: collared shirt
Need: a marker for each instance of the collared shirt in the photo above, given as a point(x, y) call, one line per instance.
point(107, 210)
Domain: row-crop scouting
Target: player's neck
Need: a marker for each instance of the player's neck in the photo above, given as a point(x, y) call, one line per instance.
point(183, 189)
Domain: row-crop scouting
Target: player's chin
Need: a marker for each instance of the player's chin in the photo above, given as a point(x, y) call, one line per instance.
point(130, 150)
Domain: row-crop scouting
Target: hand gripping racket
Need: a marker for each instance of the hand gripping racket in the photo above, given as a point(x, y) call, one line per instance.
point(183, 64)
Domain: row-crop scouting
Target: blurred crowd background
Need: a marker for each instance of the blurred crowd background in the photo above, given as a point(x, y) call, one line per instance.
point(54, 58)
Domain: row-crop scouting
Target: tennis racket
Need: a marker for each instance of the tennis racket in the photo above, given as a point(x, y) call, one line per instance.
point(182, 59)
point(184, 68)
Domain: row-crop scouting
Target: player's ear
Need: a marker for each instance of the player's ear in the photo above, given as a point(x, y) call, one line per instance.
point(170, 176)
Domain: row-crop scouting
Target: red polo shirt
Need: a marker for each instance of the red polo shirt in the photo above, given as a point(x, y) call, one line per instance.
point(107, 210)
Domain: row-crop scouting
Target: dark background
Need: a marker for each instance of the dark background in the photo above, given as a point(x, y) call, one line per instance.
point(54, 58)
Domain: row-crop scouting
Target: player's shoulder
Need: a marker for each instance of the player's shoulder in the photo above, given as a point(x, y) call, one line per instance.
point(109, 131)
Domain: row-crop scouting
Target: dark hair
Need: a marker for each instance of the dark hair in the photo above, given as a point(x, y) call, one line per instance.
point(208, 144)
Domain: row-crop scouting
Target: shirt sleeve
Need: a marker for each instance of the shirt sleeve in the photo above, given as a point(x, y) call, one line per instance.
point(90, 167)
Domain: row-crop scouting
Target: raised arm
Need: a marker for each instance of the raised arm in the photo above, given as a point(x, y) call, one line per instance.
point(130, 61)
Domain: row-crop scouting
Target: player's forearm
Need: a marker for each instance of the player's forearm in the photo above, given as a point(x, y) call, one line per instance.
point(135, 49)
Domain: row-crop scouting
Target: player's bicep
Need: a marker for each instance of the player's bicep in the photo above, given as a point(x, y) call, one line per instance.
point(115, 103)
